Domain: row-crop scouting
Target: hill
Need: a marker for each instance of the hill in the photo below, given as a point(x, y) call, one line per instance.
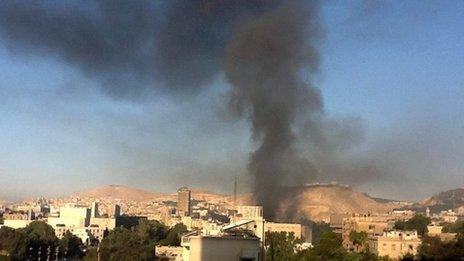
point(445, 200)
point(318, 202)
point(314, 202)
point(118, 192)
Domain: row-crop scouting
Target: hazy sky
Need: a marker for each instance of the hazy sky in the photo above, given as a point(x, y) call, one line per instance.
point(397, 67)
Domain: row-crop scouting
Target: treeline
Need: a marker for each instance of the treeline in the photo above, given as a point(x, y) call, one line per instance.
point(38, 240)
point(285, 247)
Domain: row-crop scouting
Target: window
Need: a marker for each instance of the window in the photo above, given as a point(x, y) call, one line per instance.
point(393, 247)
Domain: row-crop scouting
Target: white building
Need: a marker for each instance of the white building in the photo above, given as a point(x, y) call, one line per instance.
point(224, 248)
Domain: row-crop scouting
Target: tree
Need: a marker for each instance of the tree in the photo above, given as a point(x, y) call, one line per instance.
point(91, 254)
point(318, 228)
point(432, 248)
point(358, 238)
point(8, 238)
point(457, 227)
point(280, 246)
point(70, 245)
point(151, 230)
point(36, 240)
point(328, 247)
point(123, 244)
point(417, 222)
point(173, 236)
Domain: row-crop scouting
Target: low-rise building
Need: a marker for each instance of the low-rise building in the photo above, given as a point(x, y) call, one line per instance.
point(395, 244)
point(223, 247)
point(435, 230)
point(18, 219)
point(283, 227)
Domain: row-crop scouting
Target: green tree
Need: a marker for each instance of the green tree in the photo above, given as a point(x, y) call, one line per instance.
point(319, 228)
point(359, 239)
point(417, 222)
point(280, 246)
point(457, 227)
point(70, 246)
point(34, 241)
point(173, 236)
point(91, 254)
point(123, 244)
point(151, 230)
point(328, 247)
point(8, 238)
point(432, 248)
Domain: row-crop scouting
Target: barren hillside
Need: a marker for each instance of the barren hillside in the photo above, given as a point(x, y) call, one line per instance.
point(118, 192)
point(318, 202)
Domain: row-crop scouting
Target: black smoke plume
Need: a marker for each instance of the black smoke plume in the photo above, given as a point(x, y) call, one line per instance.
point(179, 46)
point(264, 63)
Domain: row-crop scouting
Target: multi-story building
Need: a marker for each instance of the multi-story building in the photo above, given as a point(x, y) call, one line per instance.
point(183, 201)
point(395, 244)
point(372, 225)
point(94, 210)
point(82, 222)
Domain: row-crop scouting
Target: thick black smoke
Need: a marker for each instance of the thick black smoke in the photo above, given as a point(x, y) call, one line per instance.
point(179, 46)
point(171, 46)
point(264, 63)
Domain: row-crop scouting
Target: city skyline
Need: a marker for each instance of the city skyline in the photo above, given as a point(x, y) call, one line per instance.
point(390, 72)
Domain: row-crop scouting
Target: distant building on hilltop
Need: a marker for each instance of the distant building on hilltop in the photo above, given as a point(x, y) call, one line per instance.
point(183, 201)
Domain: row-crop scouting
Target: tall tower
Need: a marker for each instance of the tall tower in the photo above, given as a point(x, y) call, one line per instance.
point(183, 201)
point(117, 211)
point(94, 211)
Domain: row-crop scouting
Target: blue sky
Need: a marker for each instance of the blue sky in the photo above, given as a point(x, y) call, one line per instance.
point(396, 66)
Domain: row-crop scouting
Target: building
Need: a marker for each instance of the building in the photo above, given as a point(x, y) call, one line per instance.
point(395, 244)
point(94, 210)
point(18, 219)
point(224, 248)
point(435, 230)
point(250, 218)
point(183, 201)
point(448, 216)
point(71, 216)
point(86, 234)
point(336, 221)
point(82, 222)
point(117, 211)
point(283, 227)
point(250, 212)
point(372, 225)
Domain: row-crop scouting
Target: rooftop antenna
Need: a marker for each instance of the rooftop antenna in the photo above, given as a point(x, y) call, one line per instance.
point(235, 191)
